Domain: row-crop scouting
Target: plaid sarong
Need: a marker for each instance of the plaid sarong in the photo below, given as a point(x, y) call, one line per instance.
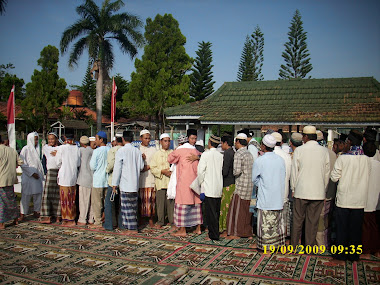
point(51, 206)
point(8, 204)
point(147, 201)
point(286, 214)
point(129, 210)
point(270, 228)
point(187, 215)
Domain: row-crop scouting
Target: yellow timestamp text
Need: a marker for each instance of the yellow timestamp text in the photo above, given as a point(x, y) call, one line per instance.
point(299, 249)
point(351, 249)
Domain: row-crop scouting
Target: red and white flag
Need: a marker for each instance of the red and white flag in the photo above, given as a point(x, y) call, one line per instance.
point(11, 119)
point(113, 100)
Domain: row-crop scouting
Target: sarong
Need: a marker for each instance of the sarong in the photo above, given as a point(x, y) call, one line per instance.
point(270, 229)
point(8, 204)
point(224, 206)
point(239, 219)
point(51, 206)
point(323, 234)
point(147, 201)
point(286, 213)
point(128, 209)
point(370, 234)
point(68, 208)
point(187, 215)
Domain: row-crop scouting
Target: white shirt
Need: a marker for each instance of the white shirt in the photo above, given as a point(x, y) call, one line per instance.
point(310, 171)
point(68, 160)
point(288, 167)
point(373, 186)
point(352, 171)
point(51, 161)
point(210, 173)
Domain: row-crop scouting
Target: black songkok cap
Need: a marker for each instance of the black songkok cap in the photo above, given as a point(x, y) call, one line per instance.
point(191, 132)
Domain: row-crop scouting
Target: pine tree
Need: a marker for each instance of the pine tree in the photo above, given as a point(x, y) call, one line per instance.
point(88, 89)
point(296, 54)
point(245, 72)
point(257, 51)
point(201, 84)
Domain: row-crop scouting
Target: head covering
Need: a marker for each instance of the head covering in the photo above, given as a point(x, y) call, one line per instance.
point(319, 135)
point(182, 139)
point(53, 133)
point(91, 139)
point(355, 137)
point(34, 152)
point(277, 136)
point(164, 135)
point(69, 136)
point(241, 136)
point(102, 134)
point(296, 137)
point(84, 140)
point(114, 139)
point(309, 130)
point(244, 131)
point(214, 139)
point(143, 132)
point(269, 141)
point(191, 132)
point(118, 135)
point(370, 135)
point(269, 132)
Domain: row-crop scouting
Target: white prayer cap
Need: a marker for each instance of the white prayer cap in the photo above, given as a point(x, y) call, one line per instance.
point(143, 132)
point(277, 136)
point(319, 135)
point(164, 135)
point(114, 139)
point(269, 141)
point(241, 136)
point(309, 130)
point(118, 135)
point(92, 139)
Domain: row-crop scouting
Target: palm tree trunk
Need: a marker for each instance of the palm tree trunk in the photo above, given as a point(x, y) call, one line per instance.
point(99, 97)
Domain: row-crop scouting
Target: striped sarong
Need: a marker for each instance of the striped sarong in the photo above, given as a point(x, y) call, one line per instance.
point(187, 215)
point(239, 219)
point(286, 214)
point(270, 228)
point(8, 204)
point(147, 202)
point(128, 209)
point(68, 207)
point(51, 206)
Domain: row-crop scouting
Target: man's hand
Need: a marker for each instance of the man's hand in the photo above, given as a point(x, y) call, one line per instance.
point(53, 153)
point(166, 172)
point(114, 190)
point(146, 168)
point(143, 156)
point(192, 157)
point(35, 176)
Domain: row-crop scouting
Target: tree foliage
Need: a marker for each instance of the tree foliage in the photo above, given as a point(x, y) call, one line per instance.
point(96, 29)
point(46, 91)
point(88, 88)
point(252, 58)
point(7, 80)
point(160, 78)
point(201, 84)
point(296, 54)
point(3, 3)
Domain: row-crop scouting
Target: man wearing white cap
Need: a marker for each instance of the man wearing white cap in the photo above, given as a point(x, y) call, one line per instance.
point(288, 167)
point(92, 142)
point(160, 168)
point(239, 219)
point(147, 193)
point(309, 178)
point(268, 175)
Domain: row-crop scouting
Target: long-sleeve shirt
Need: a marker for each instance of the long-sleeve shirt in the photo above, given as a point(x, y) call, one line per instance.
point(146, 177)
point(288, 168)
point(98, 165)
point(127, 168)
point(210, 173)
point(68, 160)
point(160, 162)
point(228, 167)
point(243, 163)
point(353, 172)
point(310, 171)
point(85, 172)
point(111, 162)
point(9, 160)
point(268, 174)
point(32, 164)
point(373, 186)
point(51, 161)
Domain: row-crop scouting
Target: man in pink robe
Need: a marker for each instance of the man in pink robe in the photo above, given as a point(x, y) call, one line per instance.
point(187, 209)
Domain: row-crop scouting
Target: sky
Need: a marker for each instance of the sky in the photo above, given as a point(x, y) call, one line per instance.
point(343, 36)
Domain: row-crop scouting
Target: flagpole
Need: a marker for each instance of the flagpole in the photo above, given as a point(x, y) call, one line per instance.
point(113, 108)
point(11, 119)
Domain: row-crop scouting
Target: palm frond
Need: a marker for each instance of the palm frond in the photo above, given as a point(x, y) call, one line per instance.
point(77, 51)
point(71, 33)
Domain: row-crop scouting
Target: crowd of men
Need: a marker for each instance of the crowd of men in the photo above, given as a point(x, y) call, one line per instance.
point(283, 191)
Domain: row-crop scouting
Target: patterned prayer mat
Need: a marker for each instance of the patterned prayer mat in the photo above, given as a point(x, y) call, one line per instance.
point(34, 253)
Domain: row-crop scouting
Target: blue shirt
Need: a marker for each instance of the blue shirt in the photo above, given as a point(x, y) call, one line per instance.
point(268, 174)
point(98, 165)
point(127, 168)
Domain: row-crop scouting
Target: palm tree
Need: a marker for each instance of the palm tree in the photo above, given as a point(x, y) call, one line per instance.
point(95, 29)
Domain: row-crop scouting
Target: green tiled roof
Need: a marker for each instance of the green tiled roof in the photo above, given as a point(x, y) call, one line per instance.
point(337, 100)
